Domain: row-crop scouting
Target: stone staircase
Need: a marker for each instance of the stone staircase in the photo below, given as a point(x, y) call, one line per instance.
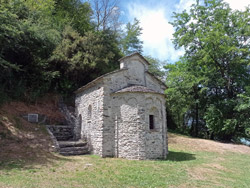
point(62, 132)
point(63, 137)
point(67, 137)
point(73, 147)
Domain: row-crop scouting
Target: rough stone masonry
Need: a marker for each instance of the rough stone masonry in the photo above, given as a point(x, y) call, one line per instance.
point(122, 113)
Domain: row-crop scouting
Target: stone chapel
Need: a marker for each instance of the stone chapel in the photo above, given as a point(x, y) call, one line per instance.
point(122, 113)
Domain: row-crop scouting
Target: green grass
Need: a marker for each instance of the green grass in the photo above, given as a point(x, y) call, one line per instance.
point(183, 168)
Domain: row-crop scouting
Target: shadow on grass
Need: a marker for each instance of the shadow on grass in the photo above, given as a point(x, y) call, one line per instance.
point(180, 156)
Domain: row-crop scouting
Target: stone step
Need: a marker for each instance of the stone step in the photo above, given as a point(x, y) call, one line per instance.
point(65, 144)
point(69, 149)
point(63, 134)
point(64, 138)
point(74, 150)
point(74, 153)
point(62, 126)
point(61, 129)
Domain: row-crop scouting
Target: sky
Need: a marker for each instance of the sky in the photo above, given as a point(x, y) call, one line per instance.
point(154, 16)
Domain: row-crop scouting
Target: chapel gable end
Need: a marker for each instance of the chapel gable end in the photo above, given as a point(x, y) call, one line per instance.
point(136, 66)
point(134, 60)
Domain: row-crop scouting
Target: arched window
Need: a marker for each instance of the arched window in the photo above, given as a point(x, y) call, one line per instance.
point(89, 112)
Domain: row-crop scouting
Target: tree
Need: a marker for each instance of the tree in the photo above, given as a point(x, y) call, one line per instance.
point(243, 113)
point(107, 14)
point(51, 46)
point(185, 96)
point(130, 41)
point(78, 56)
point(156, 67)
point(44, 6)
point(217, 46)
point(75, 13)
point(26, 44)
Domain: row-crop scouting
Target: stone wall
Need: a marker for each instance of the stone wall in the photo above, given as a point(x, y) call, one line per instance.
point(89, 108)
point(155, 139)
point(126, 129)
point(133, 138)
point(153, 83)
point(132, 76)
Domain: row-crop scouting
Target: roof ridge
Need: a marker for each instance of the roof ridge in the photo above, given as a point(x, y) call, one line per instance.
point(97, 79)
point(133, 54)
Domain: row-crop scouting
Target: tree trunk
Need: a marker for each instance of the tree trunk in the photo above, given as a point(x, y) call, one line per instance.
point(196, 119)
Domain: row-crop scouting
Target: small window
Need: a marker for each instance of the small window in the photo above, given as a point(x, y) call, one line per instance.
point(80, 120)
point(89, 112)
point(151, 122)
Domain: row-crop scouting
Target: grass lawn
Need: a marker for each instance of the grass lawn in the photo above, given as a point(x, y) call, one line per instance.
point(190, 163)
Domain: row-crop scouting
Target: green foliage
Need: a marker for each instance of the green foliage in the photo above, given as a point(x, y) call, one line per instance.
point(10, 34)
point(214, 119)
point(51, 46)
point(243, 113)
point(247, 132)
point(27, 43)
point(130, 42)
point(75, 13)
point(44, 6)
point(77, 56)
point(156, 67)
point(217, 48)
point(185, 94)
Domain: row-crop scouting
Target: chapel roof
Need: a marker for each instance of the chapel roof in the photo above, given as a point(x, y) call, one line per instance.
point(134, 54)
point(95, 81)
point(137, 88)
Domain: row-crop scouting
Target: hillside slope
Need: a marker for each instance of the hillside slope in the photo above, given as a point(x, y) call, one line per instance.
point(24, 141)
point(27, 160)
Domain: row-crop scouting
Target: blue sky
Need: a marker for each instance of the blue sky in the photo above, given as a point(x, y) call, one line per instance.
point(154, 16)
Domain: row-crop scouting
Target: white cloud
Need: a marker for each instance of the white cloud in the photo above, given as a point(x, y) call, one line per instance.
point(156, 33)
point(184, 5)
point(238, 4)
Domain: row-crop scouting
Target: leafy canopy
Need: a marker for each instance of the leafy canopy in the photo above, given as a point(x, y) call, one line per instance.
point(216, 40)
point(130, 41)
